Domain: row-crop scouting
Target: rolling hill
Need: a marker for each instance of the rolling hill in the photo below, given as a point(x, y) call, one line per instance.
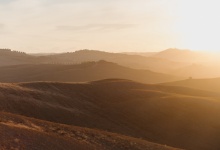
point(89, 71)
point(175, 116)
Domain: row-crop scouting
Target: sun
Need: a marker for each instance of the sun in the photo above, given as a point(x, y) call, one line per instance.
point(197, 24)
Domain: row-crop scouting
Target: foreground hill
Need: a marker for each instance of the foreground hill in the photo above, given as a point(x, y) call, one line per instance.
point(18, 132)
point(212, 84)
point(79, 73)
point(175, 116)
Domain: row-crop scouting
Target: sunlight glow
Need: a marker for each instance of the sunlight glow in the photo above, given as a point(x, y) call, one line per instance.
point(198, 24)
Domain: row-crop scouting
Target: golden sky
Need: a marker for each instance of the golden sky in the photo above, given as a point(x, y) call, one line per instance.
point(109, 25)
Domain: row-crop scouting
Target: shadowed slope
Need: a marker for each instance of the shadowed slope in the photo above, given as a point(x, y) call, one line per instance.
point(175, 116)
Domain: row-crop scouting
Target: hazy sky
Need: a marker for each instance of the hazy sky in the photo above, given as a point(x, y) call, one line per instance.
point(109, 25)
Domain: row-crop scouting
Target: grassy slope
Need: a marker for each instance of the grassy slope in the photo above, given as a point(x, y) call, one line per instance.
point(179, 117)
point(18, 132)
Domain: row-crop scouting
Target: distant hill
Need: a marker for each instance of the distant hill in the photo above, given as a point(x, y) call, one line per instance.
point(183, 56)
point(171, 61)
point(42, 54)
point(89, 71)
point(146, 54)
point(132, 61)
point(175, 116)
point(9, 57)
point(198, 71)
point(212, 84)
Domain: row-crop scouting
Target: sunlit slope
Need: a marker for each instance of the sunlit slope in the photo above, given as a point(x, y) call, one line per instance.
point(80, 73)
point(18, 132)
point(212, 84)
point(175, 116)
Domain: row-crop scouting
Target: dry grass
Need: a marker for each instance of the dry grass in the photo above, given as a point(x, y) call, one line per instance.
point(18, 132)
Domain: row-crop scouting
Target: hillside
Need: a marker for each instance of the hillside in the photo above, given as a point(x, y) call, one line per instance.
point(175, 116)
point(212, 84)
point(18, 132)
point(79, 73)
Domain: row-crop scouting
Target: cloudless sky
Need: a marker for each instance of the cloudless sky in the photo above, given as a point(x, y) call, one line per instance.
point(109, 25)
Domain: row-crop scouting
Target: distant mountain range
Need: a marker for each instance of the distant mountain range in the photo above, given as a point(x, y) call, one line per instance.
point(171, 61)
point(132, 61)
